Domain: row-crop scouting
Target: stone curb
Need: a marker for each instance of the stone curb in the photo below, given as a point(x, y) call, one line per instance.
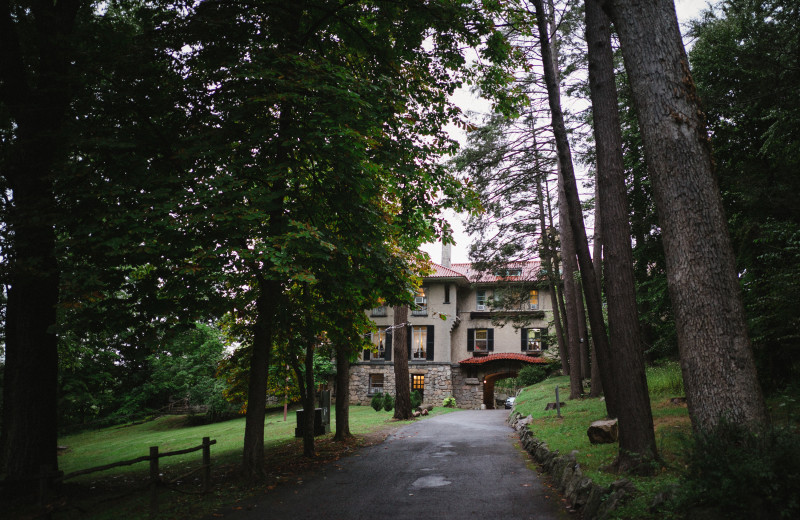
point(593, 501)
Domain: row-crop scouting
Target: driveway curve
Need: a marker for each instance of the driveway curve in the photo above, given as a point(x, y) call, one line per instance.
point(460, 465)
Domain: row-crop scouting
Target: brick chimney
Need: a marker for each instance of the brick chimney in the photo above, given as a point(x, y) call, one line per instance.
point(446, 255)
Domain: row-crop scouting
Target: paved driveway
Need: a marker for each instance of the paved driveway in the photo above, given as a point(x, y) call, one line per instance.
point(461, 465)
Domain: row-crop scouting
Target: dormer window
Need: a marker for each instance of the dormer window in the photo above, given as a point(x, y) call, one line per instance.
point(506, 273)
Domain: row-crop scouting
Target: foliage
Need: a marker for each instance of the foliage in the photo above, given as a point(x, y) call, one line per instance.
point(449, 402)
point(743, 473)
point(388, 402)
point(754, 121)
point(416, 399)
point(377, 402)
point(531, 375)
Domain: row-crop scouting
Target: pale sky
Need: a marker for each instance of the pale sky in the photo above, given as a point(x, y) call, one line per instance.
point(686, 10)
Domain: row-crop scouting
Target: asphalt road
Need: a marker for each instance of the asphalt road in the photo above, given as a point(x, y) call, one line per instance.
point(461, 465)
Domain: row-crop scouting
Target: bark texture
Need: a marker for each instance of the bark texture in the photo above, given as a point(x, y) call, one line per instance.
point(637, 443)
point(253, 450)
point(716, 356)
point(342, 393)
point(402, 404)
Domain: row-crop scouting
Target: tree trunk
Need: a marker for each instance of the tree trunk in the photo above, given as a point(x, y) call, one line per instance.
point(342, 393)
point(548, 257)
point(402, 389)
point(716, 356)
point(593, 302)
point(309, 410)
point(563, 350)
point(637, 443)
point(570, 294)
point(583, 338)
point(253, 451)
point(597, 259)
point(37, 110)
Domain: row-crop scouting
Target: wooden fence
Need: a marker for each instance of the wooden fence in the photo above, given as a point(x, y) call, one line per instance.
point(49, 478)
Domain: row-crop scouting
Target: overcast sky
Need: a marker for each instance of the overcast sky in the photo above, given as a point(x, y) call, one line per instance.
point(686, 10)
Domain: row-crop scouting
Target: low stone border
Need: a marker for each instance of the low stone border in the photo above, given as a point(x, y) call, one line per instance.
point(593, 501)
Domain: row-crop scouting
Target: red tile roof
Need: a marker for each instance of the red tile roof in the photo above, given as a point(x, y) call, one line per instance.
point(502, 355)
point(445, 272)
point(530, 271)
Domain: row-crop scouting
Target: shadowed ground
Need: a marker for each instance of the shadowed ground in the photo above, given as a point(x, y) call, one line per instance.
point(460, 465)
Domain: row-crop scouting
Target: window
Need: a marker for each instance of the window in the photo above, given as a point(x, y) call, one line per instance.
point(379, 311)
point(375, 383)
point(533, 340)
point(419, 340)
point(480, 300)
point(379, 340)
point(481, 340)
point(418, 384)
point(533, 300)
point(420, 303)
point(505, 273)
point(447, 293)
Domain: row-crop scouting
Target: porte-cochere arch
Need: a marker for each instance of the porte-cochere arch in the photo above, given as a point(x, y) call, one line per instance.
point(481, 372)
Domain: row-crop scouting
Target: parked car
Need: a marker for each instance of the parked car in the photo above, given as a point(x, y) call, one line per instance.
point(510, 402)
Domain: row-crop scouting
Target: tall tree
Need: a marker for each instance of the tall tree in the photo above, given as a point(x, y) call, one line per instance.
point(37, 52)
point(637, 443)
point(402, 382)
point(590, 286)
point(716, 356)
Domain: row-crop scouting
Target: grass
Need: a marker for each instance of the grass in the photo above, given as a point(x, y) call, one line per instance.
point(671, 423)
point(122, 492)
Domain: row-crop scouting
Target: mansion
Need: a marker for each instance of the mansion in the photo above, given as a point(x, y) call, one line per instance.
point(455, 347)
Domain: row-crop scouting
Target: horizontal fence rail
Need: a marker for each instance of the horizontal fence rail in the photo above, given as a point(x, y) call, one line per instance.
point(49, 478)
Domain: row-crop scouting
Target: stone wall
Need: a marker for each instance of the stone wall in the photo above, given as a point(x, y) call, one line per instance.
point(438, 380)
point(594, 502)
point(468, 391)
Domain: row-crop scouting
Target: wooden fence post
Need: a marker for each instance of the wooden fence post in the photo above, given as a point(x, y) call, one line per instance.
point(153, 481)
point(206, 463)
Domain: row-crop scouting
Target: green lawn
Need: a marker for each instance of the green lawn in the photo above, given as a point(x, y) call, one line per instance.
point(117, 443)
point(672, 430)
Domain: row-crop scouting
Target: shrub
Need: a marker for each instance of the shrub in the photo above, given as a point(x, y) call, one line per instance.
point(416, 399)
point(743, 473)
point(377, 402)
point(388, 402)
point(449, 402)
point(532, 374)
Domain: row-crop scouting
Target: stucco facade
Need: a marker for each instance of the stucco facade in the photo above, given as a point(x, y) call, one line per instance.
point(457, 344)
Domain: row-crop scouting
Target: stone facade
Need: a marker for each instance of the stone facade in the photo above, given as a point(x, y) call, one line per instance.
point(438, 380)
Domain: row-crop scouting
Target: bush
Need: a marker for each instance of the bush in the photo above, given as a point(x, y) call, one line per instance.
point(531, 374)
point(388, 402)
point(743, 474)
point(377, 402)
point(416, 399)
point(449, 402)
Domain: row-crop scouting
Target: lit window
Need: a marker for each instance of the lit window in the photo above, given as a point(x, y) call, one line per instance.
point(418, 384)
point(379, 340)
point(533, 299)
point(419, 340)
point(420, 303)
point(481, 340)
point(375, 383)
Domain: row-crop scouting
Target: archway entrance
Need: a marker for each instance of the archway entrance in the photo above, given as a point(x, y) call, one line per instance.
point(489, 381)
